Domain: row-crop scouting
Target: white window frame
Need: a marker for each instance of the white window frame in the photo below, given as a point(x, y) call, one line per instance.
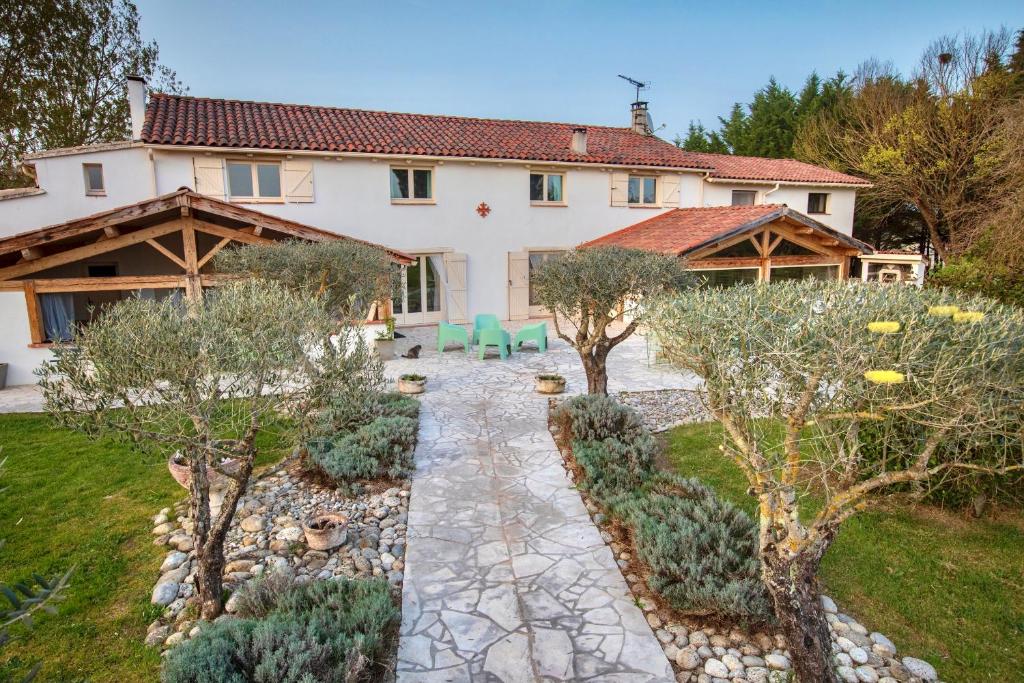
point(547, 202)
point(732, 196)
point(657, 191)
point(93, 191)
point(414, 200)
point(258, 198)
point(828, 204)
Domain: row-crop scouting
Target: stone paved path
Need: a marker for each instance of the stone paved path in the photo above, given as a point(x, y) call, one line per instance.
point(507, 578)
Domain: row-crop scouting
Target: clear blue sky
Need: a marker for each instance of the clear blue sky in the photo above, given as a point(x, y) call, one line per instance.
point(553, 61)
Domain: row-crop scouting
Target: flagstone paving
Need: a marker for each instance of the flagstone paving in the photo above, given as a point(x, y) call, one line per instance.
point(507, 578)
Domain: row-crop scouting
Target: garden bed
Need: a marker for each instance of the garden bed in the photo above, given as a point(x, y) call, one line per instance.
point(705, 646)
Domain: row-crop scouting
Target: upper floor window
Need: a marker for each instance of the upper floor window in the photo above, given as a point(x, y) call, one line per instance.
point(547, 188)
point(412, 184)
point(744, 197)
point(643, 190)
point(94, 180)
point(817, 202)
point(254, 180)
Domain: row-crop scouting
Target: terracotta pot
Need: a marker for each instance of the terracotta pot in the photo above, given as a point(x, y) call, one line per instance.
point(412, 386)
point(325, 531)
point(182, 473)
point(549, 384)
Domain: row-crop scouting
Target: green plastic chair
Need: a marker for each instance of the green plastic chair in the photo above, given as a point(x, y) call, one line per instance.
point(499, 338)
point(446, 332)
point(484, 321)
point(537, 332)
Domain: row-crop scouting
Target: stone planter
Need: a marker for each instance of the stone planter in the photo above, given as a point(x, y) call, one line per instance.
point(385, 348)
point(412, 384)
point(326, 531)
point(550, 384)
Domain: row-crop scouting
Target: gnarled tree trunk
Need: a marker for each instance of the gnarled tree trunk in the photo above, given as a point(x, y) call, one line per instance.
point(595, 364)
point(792, 583)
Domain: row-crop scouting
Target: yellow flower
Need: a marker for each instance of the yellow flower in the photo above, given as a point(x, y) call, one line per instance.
point(943, 311)
point(884, 326)
point(884, 376)
point(968, 316)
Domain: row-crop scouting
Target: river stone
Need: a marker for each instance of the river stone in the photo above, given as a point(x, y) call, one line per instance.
point(879, 639)
point(732, 662)
point(920, 668)
point(715, 668)
point(291, 534)
point(173, 560)
point(252, 524)
point(687, 658)
point(165, 593)
point(174, 639)
point(777, 662)
point(859, 655)
point(828, 605)
point(161, 529)
point(847, 674)
point(865, 674)
point(157, 636)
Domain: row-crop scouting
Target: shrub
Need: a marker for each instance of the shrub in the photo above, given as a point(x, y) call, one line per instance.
point(611, 467)
point(258, 598)
point(321, 631)
point(701, 550)
point(381, 448)
point(393, 404)
point(981, 276)
point(595, 418)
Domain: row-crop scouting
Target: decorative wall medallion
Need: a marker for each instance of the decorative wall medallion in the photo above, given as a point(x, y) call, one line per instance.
point(483, 209)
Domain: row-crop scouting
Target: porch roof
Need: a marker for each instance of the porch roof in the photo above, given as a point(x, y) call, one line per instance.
point(682, 231)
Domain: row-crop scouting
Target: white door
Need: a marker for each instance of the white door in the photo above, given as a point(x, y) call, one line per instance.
point(518, 285)
point(421, 296)
point(538, 258)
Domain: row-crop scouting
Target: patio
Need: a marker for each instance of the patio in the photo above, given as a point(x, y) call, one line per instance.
point(507, 577)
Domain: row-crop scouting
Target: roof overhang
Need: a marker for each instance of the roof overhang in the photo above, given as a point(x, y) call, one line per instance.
point(765, 182)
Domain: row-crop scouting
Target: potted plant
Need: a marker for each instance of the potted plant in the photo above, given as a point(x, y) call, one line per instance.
point(412, 384)
point(385, 341)
point(326, 530)
point(550, 384)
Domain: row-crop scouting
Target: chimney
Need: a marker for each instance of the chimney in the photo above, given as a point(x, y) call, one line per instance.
point(579, 141)
point(137, 104)
point(641, 119)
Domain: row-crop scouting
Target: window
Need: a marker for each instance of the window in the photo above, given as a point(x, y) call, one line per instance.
point(94, 180)
point(817, 202)
point(412, 184)
point(254, 181)
point(780, 273)
point(744, 197)
point(719, 279)
point(547, 188)
point(643, 190)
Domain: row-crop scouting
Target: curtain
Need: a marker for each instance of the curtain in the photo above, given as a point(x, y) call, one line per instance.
point(437, 261)
point(58, 315)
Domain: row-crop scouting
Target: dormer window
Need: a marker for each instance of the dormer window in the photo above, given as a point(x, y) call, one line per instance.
point(93, 174)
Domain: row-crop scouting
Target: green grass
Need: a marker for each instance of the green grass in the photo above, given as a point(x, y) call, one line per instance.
point(944, 587)
point(72, 501)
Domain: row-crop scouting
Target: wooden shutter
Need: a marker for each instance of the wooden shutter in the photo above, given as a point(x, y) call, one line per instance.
point(455, 272)
point(669, 190)
point(518, 285)
point(620, 189)
point(297, 180)
point(209, 176)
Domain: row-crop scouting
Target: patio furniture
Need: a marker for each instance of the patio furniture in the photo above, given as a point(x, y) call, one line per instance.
point(499, 338)
point(484, 321)
point(537, 332)
point(446, 332)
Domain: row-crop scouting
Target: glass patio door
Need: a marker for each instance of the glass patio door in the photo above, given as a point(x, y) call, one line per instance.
point(420, 298)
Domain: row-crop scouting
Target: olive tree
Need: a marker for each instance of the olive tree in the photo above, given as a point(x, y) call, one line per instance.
point(204, 380)
point(807, 379)
point(593, 288)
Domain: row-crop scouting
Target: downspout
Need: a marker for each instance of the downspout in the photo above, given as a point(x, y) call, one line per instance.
point(152, 171)
point(700, 199)
point(765, 195)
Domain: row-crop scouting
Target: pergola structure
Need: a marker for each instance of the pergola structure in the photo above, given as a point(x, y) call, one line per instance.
point(163, 243)
point(744, 243)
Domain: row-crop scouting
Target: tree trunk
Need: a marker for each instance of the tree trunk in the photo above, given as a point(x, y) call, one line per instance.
point(794, 590)
point(595, 364)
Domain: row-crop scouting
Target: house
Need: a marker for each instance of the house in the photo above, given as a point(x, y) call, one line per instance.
point(477, 203)
point(58, 276)
point(734, 244)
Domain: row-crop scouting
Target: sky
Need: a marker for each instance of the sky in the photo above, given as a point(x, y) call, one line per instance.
point(546, 61)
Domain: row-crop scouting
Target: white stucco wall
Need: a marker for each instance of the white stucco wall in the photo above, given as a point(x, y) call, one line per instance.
point(15, 340)
point(840, 205)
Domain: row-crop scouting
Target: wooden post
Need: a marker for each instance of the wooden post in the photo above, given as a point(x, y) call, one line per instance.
point(35, 319)
point(193, 286)
point(765, 273)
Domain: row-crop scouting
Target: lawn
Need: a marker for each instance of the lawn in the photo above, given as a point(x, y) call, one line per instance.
point(944, 587)
point(72, 501)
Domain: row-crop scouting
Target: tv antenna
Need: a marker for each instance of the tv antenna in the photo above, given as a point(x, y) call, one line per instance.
point(639, 85)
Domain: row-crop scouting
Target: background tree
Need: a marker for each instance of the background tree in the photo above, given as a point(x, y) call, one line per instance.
point(204, 380)
point(63, 65)
point(808, 379)
point(593, 288)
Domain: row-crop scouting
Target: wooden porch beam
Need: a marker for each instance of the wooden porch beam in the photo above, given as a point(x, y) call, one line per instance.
point(31, 253)
point(97, 284)
point(167, 252)
point(35, 318)
point(87, 251)
point(236, 235)
point(213, 252)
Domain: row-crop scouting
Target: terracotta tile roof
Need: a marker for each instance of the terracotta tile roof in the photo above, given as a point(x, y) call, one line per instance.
point(758, 168)
point(193, 121)
point(680, 231)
